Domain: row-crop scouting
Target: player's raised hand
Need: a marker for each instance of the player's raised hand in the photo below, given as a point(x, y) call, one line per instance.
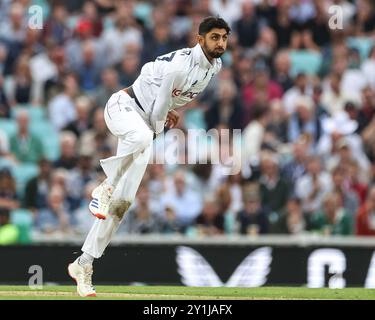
point(172, 119)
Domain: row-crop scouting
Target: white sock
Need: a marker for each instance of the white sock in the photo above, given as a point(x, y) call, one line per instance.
point(85, 258)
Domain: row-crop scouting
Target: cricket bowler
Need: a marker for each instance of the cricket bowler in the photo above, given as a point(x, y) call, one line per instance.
point(136, 115)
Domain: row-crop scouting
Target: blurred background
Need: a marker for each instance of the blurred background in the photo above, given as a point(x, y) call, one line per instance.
point(302, 93)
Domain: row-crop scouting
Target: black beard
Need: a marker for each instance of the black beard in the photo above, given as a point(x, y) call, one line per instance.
point(215, 54)
point(212, 54)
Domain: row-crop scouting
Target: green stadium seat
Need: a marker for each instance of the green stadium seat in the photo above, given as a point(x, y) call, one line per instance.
point(5, 163)
point(23, 219)
point(22, 173)
point(194, 119)
point(362, 44)
point(305, 61)
point(36, 113)
point(49, 136)
point(9, 126)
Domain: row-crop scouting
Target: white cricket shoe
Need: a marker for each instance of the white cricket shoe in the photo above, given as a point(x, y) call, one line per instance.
point(82, 275)
point(101, 196)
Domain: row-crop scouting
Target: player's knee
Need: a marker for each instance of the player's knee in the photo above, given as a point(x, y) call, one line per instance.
point(143, 139)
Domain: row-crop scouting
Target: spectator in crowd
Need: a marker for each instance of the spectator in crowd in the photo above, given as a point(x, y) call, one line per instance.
point(353, 78)
point(128, 70)
point(365, 218)
point(253, 135)
point(59, 179)
point(320, 108)
point(170, 224)
point(278, 122)
point(253, 219)
point(56, 27)
point(230, 11)
point(61, 108)
point(21, 88)
point(203, 177)
point(158, 44)
point(247, 27)
point(368, 68)
point(4, 146)
point(25, 145)
point(313, 185)
point(334, 129)
point(77, 179)
point(367, 111)
point(185, 202)
point(52, 62)
point(98, 136)
point(281, 72)
point(8, 193)
point(91, 18)
point(357, 182)
point(233, 185)
point(81, 124)
point(364, 18)
point(157, 185)
point(124, 32)
point(332, 219)
point(301, 87)
point(4, 103)
point(274, 189)
point(13, 28)
point(89, 68)
point(211, 220)
point(282, 24)
point(356, 114)
point(3, 58)
point(334, 98)
point(260, 91)
point(37, 188)
point(304, 120)
point(226, 109)
point(55, 218)
point(68, 157)
point(83, 218)
point(295, 168)
point(350, 200)
point(32, 44)
point(9, 233)
point(141, 218)
point(109, 85)
point(292, 220)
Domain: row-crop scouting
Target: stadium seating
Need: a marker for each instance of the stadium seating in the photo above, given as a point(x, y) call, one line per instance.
point(22, 173)
point(9, 126)
point(305, 61)
point(36, 113)
point(363, 45)
point(23, 219)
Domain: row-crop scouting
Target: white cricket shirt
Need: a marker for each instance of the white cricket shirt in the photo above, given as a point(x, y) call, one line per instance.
point(171, 81)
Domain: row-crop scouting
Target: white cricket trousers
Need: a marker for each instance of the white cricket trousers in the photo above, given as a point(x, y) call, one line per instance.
point(124, 171)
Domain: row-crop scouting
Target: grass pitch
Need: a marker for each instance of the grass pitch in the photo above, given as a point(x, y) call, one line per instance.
point(185, 293)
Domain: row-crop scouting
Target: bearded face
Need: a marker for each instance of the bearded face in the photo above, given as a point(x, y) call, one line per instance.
point(214, 43)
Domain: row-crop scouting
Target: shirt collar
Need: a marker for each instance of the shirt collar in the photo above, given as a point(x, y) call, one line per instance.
point(201, 58)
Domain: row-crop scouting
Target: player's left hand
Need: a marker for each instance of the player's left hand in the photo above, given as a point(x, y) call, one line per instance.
point(172, 119)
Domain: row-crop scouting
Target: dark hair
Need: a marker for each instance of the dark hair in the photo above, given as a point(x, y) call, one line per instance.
point(259, 111)
point(210, 23)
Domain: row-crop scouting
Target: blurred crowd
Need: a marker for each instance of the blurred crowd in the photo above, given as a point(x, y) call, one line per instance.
point(301, 90)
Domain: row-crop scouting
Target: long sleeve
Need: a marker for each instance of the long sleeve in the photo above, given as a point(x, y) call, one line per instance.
point(164, 99)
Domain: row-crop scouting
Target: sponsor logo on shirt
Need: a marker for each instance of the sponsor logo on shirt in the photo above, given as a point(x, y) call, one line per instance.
point(189, 94)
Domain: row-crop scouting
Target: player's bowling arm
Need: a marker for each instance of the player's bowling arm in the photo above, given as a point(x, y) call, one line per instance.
point(164, 100)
